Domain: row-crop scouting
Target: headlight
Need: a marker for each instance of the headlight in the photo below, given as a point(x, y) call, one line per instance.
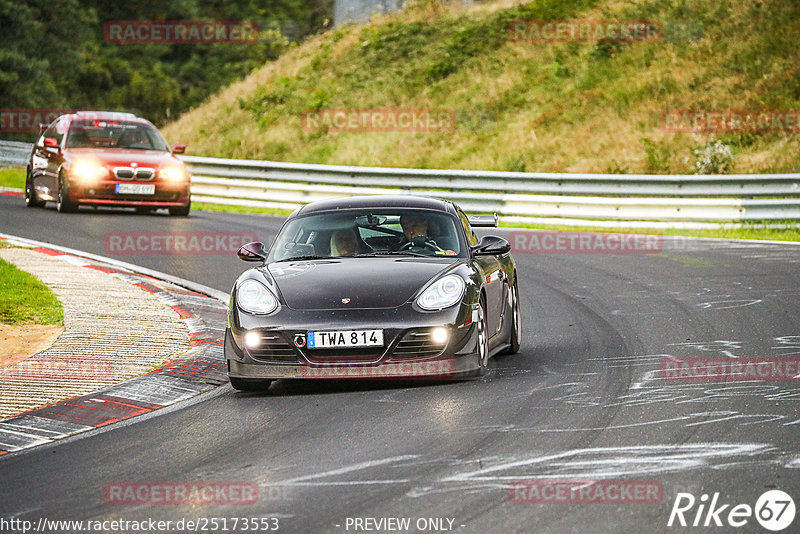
point(173, 174)
point(443, 293)
point(253, 297)
point(88, 171)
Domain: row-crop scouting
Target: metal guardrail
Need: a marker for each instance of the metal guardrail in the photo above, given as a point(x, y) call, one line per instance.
point(581, 197)
point(573, 199)
point(508, 182)
point(14, 154)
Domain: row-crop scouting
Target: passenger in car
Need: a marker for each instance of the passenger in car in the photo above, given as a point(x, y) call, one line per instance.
point(343, 243)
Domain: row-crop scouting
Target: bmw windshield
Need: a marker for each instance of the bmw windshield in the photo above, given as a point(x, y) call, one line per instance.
point(120, 134)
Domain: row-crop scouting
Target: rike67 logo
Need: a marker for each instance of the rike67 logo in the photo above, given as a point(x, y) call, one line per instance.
point(774, 510)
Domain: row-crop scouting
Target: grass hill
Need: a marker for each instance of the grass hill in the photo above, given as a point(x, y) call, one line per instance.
point(522, 106)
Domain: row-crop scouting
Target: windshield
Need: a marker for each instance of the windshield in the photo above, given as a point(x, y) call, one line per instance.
point(114, 134)
point(375, 232)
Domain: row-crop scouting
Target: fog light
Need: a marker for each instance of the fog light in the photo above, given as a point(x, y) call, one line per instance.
point(439, 335)
point(252, 340)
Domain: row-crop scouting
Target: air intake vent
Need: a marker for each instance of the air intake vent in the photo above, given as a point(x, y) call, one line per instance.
point(273, 348)
point(123, 173)
point(417, 344)
point(129, 173)
point(145, 173)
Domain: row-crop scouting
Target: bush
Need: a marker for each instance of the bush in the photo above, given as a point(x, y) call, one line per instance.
point(714, 157)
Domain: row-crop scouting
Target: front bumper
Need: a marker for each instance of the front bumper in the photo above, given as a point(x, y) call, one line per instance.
point(104, 194)
point(408, 351)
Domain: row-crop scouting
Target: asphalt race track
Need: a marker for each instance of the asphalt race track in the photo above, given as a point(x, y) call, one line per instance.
point(582, 401)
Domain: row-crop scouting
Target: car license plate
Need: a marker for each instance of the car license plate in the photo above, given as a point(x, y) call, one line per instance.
point(345, 338)
point(136, 189)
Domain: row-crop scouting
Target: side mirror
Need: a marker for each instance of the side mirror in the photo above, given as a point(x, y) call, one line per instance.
point(491, 245)
point(179, 149)
point(254, 251)
point(50, 142)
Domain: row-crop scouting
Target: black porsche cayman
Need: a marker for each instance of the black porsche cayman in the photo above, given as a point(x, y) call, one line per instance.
point(373, 287)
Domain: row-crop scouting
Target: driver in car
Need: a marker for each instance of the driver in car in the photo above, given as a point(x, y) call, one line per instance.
point(133, 138)
point(415, 232)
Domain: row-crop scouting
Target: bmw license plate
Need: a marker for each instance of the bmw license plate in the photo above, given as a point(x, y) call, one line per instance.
point(136, 189)
point(345, 338)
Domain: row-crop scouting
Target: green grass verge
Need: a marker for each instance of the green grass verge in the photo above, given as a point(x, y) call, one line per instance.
point(238, 209)
point(12, 178)
point(24, 299)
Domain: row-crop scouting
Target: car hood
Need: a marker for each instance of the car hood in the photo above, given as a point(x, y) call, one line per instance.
point(372, 282)
point(113, 157)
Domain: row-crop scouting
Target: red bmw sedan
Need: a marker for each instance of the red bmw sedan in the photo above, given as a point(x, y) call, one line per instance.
point(103, 158)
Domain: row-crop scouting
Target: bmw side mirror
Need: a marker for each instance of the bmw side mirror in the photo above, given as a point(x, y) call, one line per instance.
point(491, 245)
point(254, 251)
point(179, 149)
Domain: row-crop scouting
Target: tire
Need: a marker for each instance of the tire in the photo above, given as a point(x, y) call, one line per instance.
point(482, 343)
point(63, 203)
point(250, 385)
point(31, 200)
point(181, 211)
point(515, 335)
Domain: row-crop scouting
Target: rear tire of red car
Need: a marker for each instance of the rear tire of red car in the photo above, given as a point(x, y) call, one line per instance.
point(181, 211)
point(253, 386)
point(64, 204)
point(31, 200)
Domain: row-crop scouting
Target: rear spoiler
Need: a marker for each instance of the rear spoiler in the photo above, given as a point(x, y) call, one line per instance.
point(483, 221)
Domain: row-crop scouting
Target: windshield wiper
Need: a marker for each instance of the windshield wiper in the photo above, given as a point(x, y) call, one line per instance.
point(301, 258)
point(397, 253)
